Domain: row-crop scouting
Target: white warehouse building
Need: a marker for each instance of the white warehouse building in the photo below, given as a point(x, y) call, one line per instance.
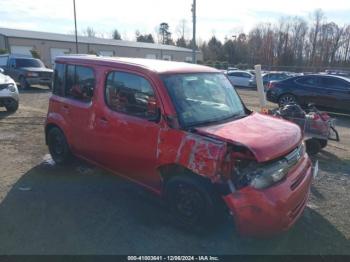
point(50, 45)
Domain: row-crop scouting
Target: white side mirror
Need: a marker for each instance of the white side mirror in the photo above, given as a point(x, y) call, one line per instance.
point(1, 70)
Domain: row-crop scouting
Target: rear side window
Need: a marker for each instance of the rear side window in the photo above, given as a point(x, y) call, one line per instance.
point(130, 94)
point(80, 83)
point(310, 81)
point(58, 80)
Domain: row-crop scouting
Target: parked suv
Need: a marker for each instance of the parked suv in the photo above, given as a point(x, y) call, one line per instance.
point(182, 131)
point(8, 93)
point(26, 70)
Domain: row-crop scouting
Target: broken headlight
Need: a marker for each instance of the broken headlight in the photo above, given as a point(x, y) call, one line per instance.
point(270, 174)
point(264, 175)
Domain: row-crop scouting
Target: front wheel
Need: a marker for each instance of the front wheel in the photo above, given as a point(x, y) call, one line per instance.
point(286, 99)
point(11, 105)
point(58, 146)
point(23, 83)
point(313, 146)
point(191, 201)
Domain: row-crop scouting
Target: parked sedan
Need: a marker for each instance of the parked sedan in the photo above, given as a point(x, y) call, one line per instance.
point(240, 78)
point(322, 90)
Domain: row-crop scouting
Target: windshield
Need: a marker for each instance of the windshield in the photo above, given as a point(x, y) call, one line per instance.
point(203, 98)
point(29, 63)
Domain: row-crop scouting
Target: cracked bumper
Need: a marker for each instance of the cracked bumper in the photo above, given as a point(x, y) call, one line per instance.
point(270, 211)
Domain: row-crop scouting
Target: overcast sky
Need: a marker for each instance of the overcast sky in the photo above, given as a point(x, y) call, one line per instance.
point(219, 17)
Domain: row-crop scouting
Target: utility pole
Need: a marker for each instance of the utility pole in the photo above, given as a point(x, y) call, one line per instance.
point(76, 31)
point(194, 60)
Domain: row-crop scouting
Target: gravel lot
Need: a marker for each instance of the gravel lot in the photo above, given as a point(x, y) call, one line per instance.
point(45, 209)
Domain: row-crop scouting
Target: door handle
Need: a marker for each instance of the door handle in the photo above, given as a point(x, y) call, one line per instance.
point(103, 121)
point(65, 109)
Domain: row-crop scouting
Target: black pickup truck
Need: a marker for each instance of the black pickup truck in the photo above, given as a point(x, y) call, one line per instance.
point(26, 70)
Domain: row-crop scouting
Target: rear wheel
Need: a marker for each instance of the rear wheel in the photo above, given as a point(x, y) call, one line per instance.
point(287, 99)
point(191, 201)
point(58, 146)
point(11, 105)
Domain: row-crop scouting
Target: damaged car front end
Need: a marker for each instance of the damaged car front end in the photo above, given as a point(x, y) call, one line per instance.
point(257, 163)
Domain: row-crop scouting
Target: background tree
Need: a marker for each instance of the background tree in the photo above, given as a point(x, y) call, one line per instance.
point(146, 38)
point(35, 53)
point(3, 51)
point(165, 34)
point(90, 32)
point(116, 35)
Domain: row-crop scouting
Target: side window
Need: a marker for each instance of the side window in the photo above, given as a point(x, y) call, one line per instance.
point(330, 82)
point(130, 94)
point(234, 74)
point(58, 80)
point(245, 75)
point(80, 83)
point(12, 63)
point(310, 81)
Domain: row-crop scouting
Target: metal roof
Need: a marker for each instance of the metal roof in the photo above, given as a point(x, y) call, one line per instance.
point(159, 66)
point(8, 32)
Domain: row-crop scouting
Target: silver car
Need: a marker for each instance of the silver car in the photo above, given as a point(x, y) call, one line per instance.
point(240, 78)
point(9, 97)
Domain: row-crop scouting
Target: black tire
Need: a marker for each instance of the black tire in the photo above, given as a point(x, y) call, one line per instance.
point(286, 99)
point(23, 83)
point(58, 147)
point(323, 143)
point(11, 105)
point(313, 146)
point(192, 202)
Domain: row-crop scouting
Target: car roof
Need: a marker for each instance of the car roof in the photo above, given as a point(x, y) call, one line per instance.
point(334, 76)
point(238, 71)
point(17, 56)
point(159, 66)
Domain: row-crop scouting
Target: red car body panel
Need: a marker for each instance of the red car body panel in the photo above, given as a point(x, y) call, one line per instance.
point(138, 149)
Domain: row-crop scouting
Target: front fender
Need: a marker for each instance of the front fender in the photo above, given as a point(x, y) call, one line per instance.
point(200, 154)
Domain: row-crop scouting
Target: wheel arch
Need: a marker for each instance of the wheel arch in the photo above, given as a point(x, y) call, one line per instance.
point(50, 126)
point(168, 171)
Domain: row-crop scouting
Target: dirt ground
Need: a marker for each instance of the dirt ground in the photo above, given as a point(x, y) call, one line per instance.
point(46, 209)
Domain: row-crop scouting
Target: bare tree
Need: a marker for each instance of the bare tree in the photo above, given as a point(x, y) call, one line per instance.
point(89, 31)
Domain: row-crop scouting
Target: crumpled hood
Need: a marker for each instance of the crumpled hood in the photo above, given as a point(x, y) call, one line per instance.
point(267, 137)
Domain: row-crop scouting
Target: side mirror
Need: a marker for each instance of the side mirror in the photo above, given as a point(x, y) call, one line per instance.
point(1, 70)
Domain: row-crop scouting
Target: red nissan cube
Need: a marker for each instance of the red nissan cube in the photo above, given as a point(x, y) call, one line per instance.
point(182, 131)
